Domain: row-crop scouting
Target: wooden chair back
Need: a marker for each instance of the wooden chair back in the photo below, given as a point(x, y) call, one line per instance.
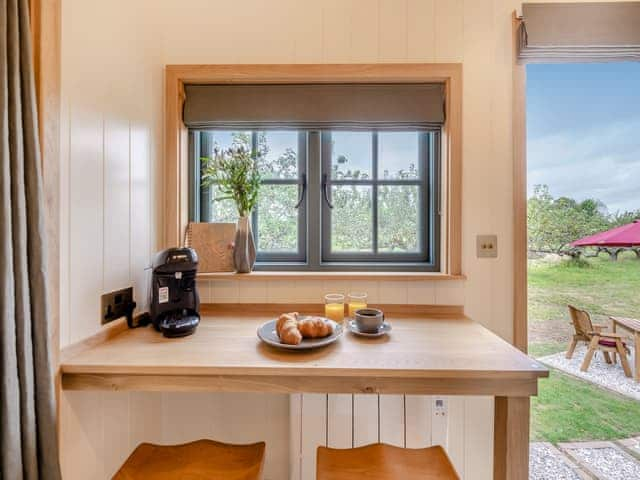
point(581, 321)
point(384, 462)
point(199, 460)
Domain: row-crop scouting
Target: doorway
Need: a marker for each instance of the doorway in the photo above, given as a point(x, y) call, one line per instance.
point(583, 162)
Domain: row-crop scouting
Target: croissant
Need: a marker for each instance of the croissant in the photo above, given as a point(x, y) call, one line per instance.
point(315, 327)
point(287, 328)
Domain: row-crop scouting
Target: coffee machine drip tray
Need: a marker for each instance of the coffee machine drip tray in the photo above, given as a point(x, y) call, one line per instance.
point(178, 323)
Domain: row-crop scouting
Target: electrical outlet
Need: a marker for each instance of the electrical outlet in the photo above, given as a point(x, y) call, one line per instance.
point(487, 246)
point(113, 304)
point(440, 422)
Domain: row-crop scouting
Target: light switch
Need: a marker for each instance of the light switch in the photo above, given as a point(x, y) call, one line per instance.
point(487, 246)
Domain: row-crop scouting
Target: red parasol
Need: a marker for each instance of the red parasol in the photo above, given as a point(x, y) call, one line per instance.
point(624, 236)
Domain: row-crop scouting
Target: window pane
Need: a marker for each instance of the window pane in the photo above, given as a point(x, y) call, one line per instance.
point(398, 155)
point(224, 139)
point(224, 210)
point(280, 151)
point(398, 210)
point(351, 218)
point(277, 218)
point(351, 155)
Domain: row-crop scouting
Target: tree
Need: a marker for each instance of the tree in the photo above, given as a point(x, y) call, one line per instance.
point(554, 223)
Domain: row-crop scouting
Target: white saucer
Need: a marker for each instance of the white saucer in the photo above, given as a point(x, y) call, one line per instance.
point(383, 330)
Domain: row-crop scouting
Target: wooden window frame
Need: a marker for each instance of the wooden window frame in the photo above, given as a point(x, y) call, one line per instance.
point(176, 164)
point(520, 262)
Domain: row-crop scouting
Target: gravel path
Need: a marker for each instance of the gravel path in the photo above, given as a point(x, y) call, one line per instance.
point(547, 463)
point(600, 373)
point(608, 463)
point(585, 460)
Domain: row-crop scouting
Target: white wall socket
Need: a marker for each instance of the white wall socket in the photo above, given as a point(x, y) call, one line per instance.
point(440, 423)
point(487, 246)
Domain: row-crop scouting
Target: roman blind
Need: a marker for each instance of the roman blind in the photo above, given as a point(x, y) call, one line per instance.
point(382, 106)
point(579, 32)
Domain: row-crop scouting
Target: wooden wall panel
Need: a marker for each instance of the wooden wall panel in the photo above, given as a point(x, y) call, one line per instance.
point(418, 414)
point(295, 436)
point(478, 175)
point(314, 431)
point(185, 417)
point(340, 421)
point(141, 211)
point(365, 420)
point(336, 31)
point(392, 420)
point(393, 31)
point(117, 208)
point(115, 430)
point(456, 435)
point(145, 414)
point(406, 421)
point(86, 235)
point(82, 439)
point(365, 24)
point(307, 32)
point(478, 432)
point(421, 32)
point(449, 30)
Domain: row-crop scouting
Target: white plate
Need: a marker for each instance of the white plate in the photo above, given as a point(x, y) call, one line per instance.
point(267, 333)
point(383, 330)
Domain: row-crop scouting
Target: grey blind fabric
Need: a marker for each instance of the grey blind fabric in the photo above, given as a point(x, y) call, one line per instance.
point(27, 402)
point(314, 106)
point(580, 32)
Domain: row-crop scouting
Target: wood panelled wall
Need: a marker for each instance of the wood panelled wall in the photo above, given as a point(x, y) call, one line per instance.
point(113, 55)
point(346, 421)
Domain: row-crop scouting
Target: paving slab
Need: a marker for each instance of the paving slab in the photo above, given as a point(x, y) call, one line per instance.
point(632, 444)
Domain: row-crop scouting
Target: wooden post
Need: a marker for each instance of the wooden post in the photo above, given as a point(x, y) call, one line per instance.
point(511, 438)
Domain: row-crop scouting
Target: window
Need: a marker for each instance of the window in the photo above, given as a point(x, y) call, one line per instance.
point(334, 199)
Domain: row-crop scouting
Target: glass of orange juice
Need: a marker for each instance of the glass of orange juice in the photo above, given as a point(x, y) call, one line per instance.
point(356, 302)
point(334, 306)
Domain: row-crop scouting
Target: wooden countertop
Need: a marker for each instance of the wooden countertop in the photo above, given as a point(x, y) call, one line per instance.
point(453, 355)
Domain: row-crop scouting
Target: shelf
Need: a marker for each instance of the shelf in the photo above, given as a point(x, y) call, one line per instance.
point(299, 275)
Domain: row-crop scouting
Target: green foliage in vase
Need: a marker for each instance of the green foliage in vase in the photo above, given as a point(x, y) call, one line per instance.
point(236, 174)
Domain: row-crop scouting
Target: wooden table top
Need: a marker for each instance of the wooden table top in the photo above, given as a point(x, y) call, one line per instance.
point(226, 345)
point(630, 323)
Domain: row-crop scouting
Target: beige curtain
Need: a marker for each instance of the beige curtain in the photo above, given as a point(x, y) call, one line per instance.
point(28, 448)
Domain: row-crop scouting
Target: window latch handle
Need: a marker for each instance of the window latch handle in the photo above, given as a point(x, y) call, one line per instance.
point(304, 190)
point(325, 192)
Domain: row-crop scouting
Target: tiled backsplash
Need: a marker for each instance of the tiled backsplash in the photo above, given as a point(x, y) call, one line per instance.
point(312, 291)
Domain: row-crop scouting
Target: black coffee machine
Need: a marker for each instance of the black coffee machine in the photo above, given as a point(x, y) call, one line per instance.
point(174, 295)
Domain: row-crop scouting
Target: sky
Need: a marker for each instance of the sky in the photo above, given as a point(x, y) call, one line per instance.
point(583, 131)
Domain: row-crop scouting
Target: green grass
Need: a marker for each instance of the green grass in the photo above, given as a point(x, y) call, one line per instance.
point(567, 409)
point(603, 288)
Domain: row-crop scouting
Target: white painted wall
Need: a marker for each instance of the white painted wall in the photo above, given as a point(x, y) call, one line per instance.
point(113, 53)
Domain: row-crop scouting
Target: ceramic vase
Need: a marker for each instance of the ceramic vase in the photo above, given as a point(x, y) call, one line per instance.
point(244, 251)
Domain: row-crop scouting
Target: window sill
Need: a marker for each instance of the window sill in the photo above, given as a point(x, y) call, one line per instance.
point(293, 275)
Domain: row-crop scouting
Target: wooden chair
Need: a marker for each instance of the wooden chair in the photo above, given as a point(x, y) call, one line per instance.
point(582, 325)
point(384, 462)
point(200, 460)
point(605, 342)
